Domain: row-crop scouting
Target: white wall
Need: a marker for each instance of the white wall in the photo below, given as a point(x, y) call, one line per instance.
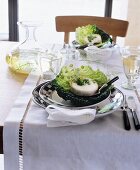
point(133, 37)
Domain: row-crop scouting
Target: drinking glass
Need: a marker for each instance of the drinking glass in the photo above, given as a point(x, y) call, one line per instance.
point(131, 65)
point(50, 63)
point(70, 52)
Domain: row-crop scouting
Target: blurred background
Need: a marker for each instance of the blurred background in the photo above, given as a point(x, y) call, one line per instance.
point(45, 11)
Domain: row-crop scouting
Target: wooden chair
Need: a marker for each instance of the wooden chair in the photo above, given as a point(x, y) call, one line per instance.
point(114, 27)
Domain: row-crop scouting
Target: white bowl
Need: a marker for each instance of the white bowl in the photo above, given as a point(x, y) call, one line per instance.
point(98, 54)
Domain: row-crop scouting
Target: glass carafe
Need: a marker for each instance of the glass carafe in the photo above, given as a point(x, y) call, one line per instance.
point(24, 57)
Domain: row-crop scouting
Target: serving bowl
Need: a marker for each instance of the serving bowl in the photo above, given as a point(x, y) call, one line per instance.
point(98, 54)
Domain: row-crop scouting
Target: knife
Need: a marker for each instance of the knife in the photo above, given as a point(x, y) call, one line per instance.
point(133, 108)
point(137, 94)
point(126, 120)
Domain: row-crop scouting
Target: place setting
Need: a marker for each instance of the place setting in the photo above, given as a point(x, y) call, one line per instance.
point(78, 90)
point(63, 106)
point(131, 65)
point(74, 87)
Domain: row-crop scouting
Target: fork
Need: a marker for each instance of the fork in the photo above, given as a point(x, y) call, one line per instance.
point(127, 125)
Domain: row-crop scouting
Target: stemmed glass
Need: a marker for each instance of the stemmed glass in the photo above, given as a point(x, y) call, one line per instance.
point(70, 52)
point(131, 65)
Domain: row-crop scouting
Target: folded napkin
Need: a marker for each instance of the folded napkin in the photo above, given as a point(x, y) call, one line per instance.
point(59, 116)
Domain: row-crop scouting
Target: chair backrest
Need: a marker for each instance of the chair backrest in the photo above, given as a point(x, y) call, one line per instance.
point(114, 27)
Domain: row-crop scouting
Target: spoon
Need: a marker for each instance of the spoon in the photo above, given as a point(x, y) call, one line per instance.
point(107, 85)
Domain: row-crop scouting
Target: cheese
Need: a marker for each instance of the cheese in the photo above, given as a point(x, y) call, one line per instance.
point(84, 90)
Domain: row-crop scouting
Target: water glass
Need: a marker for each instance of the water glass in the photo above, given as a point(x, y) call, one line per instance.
point(70, 52)
point(50, 64)
point(131, 65)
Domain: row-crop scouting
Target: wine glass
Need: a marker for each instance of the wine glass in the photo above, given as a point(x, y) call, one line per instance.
point(131, 65)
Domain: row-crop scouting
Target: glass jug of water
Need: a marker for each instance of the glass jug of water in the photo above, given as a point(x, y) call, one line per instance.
point(24, 57)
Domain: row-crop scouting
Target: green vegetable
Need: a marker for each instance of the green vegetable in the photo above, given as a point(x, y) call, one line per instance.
point(81, 82)
point(99, 77)
point(85, 35)
point(69, 74)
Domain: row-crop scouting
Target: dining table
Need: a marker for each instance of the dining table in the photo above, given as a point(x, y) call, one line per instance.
point(10, 86)
point(29, 142)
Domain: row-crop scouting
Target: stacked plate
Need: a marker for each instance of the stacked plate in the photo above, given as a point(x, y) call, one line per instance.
point(45, 94)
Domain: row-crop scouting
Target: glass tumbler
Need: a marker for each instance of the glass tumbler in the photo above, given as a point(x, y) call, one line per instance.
point(50, 64)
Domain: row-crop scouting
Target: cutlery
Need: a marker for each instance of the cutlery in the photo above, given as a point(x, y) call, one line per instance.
point(137, 94)
point(133, 108)
point(114, 104)
point(107, 85)
point(126, 121)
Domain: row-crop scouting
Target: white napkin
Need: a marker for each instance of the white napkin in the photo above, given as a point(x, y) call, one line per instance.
point(59, 116)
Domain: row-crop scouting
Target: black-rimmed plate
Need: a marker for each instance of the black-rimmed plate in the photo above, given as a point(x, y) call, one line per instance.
point(106, 107)
point(49, 93)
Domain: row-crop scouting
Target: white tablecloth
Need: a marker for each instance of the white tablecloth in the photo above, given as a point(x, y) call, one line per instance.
point(103, 144)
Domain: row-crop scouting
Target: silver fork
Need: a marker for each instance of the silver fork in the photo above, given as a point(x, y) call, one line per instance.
point(126, 121)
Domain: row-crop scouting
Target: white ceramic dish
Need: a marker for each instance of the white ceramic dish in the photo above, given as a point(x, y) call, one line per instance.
point(98, 54)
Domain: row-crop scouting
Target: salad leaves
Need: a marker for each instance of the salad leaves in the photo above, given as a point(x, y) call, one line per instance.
point(91, 34)
point(69, 74)
point(84, 33)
